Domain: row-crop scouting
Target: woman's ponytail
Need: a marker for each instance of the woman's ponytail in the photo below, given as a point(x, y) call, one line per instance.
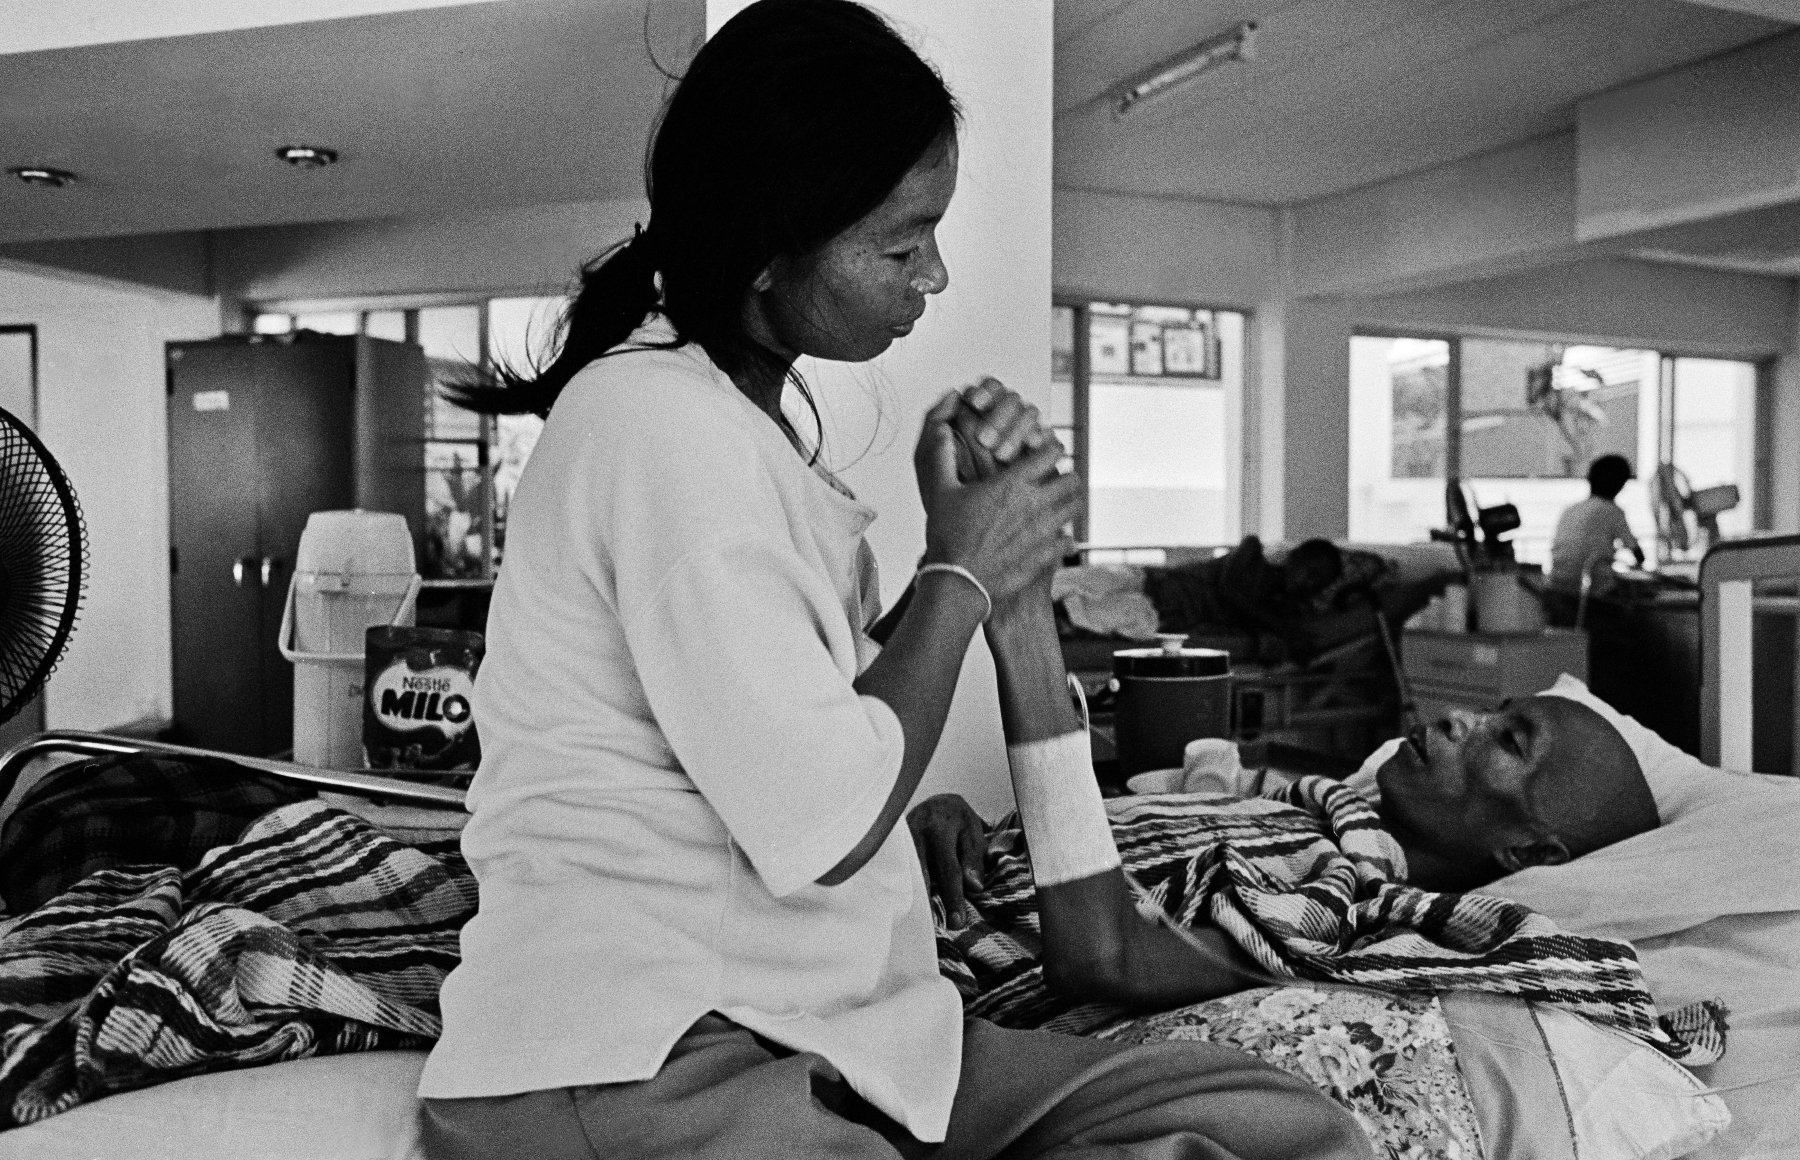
point(618, 291)
point(793, 122)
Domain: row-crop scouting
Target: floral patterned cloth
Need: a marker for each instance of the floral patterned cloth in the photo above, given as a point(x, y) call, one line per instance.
point(1387, 1058)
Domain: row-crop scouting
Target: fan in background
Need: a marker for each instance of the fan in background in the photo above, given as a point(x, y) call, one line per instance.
point(43, 564)
point(1675, 498)
point(1490, 550)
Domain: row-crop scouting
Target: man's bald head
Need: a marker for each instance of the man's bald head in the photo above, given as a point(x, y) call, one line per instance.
point(1474, 796)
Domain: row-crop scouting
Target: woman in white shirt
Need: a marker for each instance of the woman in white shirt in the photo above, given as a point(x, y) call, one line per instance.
point(700, 933)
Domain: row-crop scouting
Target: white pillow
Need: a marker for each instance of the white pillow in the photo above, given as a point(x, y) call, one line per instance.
point(1727, 845)
point(1711, 899)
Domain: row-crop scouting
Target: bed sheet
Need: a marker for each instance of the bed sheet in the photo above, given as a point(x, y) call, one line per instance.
point(1712, 901)
point(340, 1107)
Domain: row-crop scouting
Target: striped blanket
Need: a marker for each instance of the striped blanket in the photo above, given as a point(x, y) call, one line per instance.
point(314, 933)
point(1308, 882)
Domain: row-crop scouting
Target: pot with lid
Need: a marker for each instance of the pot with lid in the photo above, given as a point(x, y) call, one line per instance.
point(1167, 697)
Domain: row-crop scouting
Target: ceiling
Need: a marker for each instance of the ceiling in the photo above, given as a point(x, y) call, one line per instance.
point(1342, 93)
point(521, 103)
point(446, 105)
point(1763, 241)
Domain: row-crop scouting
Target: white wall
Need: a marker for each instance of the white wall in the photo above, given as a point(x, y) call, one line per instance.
point(1165, 250)
point(101, 413)
point(1716, 137)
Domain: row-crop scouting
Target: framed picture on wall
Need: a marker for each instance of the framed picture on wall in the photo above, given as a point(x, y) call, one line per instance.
point(1191, 349)
point(1146, 348)
point(1109, 345)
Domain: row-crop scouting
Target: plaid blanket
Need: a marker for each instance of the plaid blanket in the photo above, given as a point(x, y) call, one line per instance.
point(314, 933)
point(1309, 884)
point(127, 811)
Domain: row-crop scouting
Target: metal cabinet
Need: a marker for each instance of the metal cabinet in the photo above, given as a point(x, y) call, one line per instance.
point(263, 432)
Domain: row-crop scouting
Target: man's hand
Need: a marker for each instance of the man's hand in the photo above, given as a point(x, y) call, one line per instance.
point(952, 842)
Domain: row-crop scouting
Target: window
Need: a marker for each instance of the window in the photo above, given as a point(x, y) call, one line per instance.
point(471, 462)
point(1147, 398)
point(1519, 421)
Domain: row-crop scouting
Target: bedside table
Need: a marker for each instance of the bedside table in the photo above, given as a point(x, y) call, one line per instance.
point(1479, 672)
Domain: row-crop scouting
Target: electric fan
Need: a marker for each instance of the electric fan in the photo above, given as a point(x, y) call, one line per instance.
point(1674, 498)
point(43, 564)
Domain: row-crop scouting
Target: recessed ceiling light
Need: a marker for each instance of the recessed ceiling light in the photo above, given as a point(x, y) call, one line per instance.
point(43, 175)
point(307, 156)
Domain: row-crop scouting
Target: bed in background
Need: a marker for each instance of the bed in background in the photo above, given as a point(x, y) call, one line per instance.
point(1313, 676)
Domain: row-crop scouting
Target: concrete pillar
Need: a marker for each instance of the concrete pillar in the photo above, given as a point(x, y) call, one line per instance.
point(1783, 441)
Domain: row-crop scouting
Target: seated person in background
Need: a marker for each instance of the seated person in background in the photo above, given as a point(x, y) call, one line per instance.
point(1468, 799)
point(1589, 532)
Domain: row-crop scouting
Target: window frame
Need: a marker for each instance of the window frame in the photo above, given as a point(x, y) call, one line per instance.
point(487, 440)
point(1757, 492)
point(1081, 379)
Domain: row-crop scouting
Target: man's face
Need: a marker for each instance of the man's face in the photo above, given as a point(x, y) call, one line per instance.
point(1471, 784)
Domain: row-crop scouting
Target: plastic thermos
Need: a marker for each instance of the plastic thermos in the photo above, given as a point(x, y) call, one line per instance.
point(354, 569)
point(1167, 697)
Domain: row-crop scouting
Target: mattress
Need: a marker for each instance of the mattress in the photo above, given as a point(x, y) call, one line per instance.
point(341, 1107)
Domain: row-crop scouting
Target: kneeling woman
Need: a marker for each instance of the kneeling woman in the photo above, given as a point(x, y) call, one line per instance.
point(699, 934)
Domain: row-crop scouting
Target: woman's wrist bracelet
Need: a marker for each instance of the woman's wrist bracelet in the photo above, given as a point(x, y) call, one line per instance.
point(959, 570)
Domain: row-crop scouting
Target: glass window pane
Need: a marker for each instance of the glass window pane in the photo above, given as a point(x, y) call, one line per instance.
point(451, 337)
point(517, 434)
point(1399, 392)
point(1062, 404)
point(272, 324)
point(1062, 344)
point(329, 322)
point(1160, 440)
point(520, 330)
point(1535, 415)
point(1714, 432)
point(388, 324)
point(451, 332)
point(455, 506)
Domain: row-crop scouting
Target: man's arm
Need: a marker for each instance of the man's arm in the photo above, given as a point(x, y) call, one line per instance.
point(1625, 537)
point(1096, 944)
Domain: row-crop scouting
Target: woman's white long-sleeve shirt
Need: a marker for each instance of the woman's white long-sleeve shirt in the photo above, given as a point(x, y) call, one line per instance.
point(673, 752)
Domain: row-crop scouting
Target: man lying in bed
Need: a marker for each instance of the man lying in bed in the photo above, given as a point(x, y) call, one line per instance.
point(1467, 799)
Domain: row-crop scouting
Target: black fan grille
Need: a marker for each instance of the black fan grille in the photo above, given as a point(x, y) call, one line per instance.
point(43, 564)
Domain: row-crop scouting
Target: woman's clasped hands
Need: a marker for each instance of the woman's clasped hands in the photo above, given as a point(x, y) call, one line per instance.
point(995, 503)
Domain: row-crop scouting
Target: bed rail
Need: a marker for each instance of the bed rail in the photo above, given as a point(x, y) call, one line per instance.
point(1728, 603)
point(105, 745)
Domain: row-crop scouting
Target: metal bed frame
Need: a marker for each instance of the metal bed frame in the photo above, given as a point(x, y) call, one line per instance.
point(1729, 603)
point(83, 744)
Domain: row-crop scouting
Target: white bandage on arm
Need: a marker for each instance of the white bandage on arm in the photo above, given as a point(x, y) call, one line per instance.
point(1060, 808)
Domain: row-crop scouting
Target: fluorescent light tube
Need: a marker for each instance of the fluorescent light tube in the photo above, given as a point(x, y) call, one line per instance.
point(1237, 44)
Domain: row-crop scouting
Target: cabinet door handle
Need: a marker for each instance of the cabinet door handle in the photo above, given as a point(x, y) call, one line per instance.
point(268, 570)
